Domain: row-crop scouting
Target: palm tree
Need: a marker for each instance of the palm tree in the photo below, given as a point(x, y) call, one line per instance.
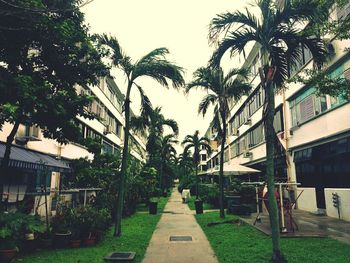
point(153, 65)
point(222, 88)
point(167, 153)
point(153, 121)
point(197, 143)
point(280, 34)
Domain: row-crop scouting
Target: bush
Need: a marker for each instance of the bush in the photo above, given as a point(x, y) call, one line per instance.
point(13, 227)
point(210, 194)
point(187, 183)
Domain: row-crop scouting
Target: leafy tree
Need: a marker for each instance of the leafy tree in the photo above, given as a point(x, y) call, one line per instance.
point(280, 33)
point(153, 65)
point(197, 143)
point(43, 55)
point(222, 88)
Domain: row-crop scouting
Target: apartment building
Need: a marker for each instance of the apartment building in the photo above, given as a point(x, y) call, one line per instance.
point(313, 133)
point(32, 153)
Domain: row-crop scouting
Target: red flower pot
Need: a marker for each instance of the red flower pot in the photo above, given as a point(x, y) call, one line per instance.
point(75, 243)
point(89, 241)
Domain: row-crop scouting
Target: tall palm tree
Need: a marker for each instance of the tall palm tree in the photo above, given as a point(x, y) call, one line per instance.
point(221, 89)
point(167, 153)
point(154, 122)
point(153, 65)
point(279, 32)
point(197, 143)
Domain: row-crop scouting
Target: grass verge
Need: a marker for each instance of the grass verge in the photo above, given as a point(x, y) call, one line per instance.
point(243, 243)
point(137, 232)
point(191, 204)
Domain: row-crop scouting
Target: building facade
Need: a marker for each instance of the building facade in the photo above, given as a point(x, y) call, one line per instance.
point(32, 153)
point(313, 133)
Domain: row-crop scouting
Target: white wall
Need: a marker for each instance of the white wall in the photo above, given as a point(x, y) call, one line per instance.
point(307, 200)
point(344, 199)
point(322, 127)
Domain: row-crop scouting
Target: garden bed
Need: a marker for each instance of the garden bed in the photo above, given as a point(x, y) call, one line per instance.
point(137, 231)
point(243, 243)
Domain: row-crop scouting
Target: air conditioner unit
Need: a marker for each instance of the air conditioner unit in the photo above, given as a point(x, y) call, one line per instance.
point(108, 129)
point(248, 122)
point(247, 155)
point(235, 132)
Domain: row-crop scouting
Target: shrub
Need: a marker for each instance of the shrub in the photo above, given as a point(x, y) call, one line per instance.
point(209, 194)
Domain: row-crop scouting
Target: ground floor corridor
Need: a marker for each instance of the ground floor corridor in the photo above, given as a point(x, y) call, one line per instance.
point(178, 237)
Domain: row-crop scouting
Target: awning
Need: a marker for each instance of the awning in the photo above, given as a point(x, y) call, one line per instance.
point(234, 169)
point(29, 159)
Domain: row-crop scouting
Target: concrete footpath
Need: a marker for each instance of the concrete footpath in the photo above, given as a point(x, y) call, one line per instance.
point(178, 222)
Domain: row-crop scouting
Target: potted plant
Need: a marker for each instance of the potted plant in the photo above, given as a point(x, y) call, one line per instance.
point(10, 229)
point(88, 216)
point(32, 226)
point(153, 203)
point(60, 224)
point(103, 221)
point(76, 228)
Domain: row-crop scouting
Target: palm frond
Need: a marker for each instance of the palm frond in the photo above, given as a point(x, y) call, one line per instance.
point(224, 22)
point(172, 124)
point(155, 66)
point(235, 42)
point(119, 58)
point(205, 102)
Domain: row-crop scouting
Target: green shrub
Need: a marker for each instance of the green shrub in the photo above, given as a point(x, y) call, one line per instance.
point(209, 194)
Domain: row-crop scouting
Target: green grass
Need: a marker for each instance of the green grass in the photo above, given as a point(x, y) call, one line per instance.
point(243, 243)
point(191, 205)
point(136, 234)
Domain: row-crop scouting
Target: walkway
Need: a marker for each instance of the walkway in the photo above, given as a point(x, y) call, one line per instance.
point(178, 220)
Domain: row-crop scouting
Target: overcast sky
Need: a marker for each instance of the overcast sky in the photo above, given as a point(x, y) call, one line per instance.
point(182, 26)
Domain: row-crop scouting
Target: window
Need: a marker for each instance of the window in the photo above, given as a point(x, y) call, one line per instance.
point(118, 128)
point(308, 105)
point(226, 156)
point(107, 147)
point(256, 135)
point(90, 133)
point(304, 57)
point(233, 150)
point(203, 157)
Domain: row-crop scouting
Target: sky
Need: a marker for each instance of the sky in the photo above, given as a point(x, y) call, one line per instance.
point(181, 26)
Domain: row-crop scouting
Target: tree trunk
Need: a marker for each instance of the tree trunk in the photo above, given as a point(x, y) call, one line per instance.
point(9, 140)
point(161, 177)
point(221, 176)
point(120, 199)
point(197, 182)
point(6, 159)
point(270, 170)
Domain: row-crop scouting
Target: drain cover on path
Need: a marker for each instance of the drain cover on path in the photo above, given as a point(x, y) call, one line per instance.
point(180, 238)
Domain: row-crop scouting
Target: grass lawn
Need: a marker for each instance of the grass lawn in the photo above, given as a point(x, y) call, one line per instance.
point(191, 205)
point(243, 243)
point(137, 231)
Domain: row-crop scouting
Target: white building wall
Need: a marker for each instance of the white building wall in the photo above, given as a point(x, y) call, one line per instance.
point(344, 203)
point(307, 199)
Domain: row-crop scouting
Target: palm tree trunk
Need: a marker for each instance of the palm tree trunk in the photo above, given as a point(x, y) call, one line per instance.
point(221, 176)
point(197, 182)
point(120, 198)
point(270, 170)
